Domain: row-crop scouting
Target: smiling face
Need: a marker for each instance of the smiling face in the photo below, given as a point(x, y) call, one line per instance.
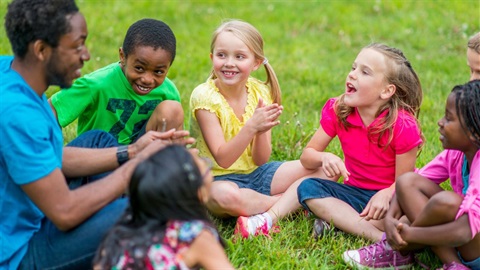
point(232, 61)
point(145, 68)
point(452, 135)
point(67, 58)
point(366, 81)
point(473, 62)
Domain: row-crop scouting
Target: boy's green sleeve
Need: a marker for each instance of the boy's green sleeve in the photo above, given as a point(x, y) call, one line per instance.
point(70, 103)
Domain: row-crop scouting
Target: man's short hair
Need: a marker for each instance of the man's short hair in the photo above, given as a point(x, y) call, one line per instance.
point(30, 20)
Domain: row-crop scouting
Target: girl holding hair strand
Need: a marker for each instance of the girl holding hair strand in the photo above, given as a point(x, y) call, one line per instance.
point(166, 225)
point(447, 221)
point(233, 114)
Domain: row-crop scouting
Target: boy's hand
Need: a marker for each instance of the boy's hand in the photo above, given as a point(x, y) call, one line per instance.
point(182, 137)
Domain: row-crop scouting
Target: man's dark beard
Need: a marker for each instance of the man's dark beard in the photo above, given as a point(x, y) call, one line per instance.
point(56, 76)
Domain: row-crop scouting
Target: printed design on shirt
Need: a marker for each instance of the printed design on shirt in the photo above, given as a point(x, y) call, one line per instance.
point(127, 106)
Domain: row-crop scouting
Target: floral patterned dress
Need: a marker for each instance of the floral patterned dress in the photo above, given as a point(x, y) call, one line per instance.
point(179, 235)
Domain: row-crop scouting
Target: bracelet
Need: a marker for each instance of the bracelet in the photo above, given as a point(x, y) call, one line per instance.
point(122, 154)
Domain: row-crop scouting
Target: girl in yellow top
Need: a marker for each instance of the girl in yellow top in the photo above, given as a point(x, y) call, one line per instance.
point(232, 118)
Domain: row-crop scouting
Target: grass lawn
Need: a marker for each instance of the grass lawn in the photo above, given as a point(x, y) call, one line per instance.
point(311, 45)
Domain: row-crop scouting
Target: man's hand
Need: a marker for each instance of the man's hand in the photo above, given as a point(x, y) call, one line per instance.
point(170, 136)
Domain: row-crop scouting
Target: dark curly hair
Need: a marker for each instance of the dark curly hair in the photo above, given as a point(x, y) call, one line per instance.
point(151, 33)
point(30, 20)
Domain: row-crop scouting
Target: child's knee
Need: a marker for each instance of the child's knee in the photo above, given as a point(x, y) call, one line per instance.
point(406, 181)
point(226, 198)
point(446, 201)
point(171, 112)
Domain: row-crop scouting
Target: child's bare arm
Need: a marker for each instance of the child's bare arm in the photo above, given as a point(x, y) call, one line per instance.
point(207, 253)
point(262, 148)
point(264, 118)
point(391, 221)
point(454, 234)
point(226, 153)
point(314, 157)
point(378, 205)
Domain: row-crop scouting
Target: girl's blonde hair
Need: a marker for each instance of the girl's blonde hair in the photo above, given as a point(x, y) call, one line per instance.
point(408, 94)
point(474, 42)
point(254, 41)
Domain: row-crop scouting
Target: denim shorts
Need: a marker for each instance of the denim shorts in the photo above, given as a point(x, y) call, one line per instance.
point(259, 180)
point(316, 188)
point(475, 264)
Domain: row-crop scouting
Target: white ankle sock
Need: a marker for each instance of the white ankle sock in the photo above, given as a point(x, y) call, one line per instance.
point(257, 221)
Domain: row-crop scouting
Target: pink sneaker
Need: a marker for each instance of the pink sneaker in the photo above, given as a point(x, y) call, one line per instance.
point(242, 227)
point(453, 266)
point(377, 256)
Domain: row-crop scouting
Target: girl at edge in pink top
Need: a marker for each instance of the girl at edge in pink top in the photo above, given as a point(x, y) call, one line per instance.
point(446, 221)
point(375, 121)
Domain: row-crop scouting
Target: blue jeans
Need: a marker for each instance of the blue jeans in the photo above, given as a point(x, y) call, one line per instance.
point(474, 265)
point(91, 139)
point(259, 180)
point(316, 188)
point(51, 248)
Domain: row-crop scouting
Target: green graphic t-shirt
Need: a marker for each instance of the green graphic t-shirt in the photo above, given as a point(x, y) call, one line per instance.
point(105, 100)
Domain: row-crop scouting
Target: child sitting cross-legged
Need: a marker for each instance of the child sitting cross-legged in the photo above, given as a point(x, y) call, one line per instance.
point(446, 221)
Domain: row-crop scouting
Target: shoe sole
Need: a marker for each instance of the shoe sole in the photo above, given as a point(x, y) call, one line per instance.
point(240, 227)
point(355, 265)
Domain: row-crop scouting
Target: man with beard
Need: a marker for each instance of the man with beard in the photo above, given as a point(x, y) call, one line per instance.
point(46, 222)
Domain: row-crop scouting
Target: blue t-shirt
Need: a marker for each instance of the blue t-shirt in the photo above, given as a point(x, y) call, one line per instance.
point(31, 147)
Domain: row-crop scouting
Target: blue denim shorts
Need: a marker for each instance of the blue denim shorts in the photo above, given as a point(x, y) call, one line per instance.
point(475, 264)
point(259, 180)
point(316, 188)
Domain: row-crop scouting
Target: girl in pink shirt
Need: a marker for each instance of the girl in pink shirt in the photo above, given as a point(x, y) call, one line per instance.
point(375, 121)
point(447, 221)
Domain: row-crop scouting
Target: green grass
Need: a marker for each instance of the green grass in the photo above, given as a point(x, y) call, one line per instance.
point(311, 45)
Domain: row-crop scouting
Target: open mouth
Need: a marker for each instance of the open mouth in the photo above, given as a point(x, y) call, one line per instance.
point(350, 89)
point(143, 88)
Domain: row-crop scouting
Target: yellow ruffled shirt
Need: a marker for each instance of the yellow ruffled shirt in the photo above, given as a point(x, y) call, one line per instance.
point(207, 97)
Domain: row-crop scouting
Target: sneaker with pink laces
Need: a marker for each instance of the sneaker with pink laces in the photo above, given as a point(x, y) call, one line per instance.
point(378, 256)
point(453, 266)
point(252, 226)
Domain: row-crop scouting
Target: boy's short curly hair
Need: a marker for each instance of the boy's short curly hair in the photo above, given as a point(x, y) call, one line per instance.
point(30, 20)
point(151, 33)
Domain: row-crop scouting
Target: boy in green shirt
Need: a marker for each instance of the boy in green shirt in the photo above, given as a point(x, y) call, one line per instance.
point(129, 97)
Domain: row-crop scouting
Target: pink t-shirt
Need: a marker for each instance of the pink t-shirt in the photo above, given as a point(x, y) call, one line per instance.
point(448, 165)
point(371, 166)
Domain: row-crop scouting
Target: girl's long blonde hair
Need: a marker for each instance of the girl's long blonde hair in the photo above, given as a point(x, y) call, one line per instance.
point(254, 41)
point(408, 95)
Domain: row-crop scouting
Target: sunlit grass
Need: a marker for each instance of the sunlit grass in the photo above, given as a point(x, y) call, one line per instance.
point(311, 45)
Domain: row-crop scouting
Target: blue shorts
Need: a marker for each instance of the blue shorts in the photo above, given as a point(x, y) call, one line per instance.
point(475, 264)
point(259, 180)
point(316, 188)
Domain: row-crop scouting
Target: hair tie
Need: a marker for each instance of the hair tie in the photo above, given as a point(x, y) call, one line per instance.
point(265, 61)
point(189, 170)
